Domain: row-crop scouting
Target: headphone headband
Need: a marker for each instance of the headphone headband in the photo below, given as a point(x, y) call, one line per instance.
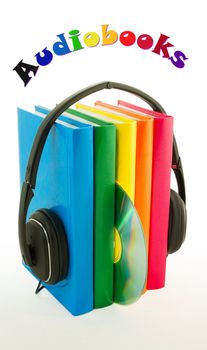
point(40, 139)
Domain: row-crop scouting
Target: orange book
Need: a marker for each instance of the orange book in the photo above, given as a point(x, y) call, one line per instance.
point(144, 150)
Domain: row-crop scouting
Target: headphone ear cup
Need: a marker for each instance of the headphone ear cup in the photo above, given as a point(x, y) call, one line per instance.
point(177, 222)
point(48, 245)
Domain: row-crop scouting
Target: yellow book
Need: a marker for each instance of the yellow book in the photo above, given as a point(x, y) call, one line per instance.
point(125, 149)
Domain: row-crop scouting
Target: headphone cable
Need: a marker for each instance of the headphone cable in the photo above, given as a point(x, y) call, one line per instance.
point(39, 287)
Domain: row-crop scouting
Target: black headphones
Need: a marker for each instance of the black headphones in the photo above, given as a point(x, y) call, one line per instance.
point(42, 239)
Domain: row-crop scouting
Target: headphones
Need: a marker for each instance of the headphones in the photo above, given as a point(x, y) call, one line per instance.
point(42, 238)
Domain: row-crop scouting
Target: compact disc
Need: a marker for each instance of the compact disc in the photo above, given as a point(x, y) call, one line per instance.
point(130, 257)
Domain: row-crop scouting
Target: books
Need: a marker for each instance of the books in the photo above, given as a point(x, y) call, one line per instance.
point(160, 197)
point(65, 185)
point(125, 146)
point(104, 201)
point(144, 149)
point(85, 153)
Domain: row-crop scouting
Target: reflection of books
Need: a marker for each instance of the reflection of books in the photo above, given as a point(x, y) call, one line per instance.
point(160, 198)
point(104, 199)
point(125, 146)
point(62, 187)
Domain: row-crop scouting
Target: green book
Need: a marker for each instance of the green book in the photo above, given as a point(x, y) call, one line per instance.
point(104, 204)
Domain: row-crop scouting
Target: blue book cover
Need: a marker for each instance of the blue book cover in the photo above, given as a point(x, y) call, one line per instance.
point(65, 185)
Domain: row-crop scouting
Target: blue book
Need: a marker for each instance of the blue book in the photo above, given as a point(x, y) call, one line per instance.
point(65, 185)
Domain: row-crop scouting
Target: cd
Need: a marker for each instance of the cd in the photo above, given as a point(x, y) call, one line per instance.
point(130, 256)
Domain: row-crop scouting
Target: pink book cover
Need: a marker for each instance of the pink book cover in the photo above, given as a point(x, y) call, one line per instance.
point(160, 196)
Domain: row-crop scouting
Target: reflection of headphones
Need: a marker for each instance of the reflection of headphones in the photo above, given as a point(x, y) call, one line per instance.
point(42, 239)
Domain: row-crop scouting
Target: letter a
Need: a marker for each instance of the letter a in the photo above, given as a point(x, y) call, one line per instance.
point(23, 70)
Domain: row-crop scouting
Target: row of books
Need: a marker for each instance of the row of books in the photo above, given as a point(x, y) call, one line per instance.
point(88, 150)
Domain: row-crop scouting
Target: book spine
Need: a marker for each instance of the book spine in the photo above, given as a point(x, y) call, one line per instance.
point(143, 179)
point(105, 145)
point(160, 201)
point(82, 203)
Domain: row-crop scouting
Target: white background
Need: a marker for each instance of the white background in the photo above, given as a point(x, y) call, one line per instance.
point(176, 316)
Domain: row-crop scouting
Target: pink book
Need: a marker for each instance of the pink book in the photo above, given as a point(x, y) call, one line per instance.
point(160, 196)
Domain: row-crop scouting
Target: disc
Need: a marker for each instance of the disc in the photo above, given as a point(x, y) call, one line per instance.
point(130, 258)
